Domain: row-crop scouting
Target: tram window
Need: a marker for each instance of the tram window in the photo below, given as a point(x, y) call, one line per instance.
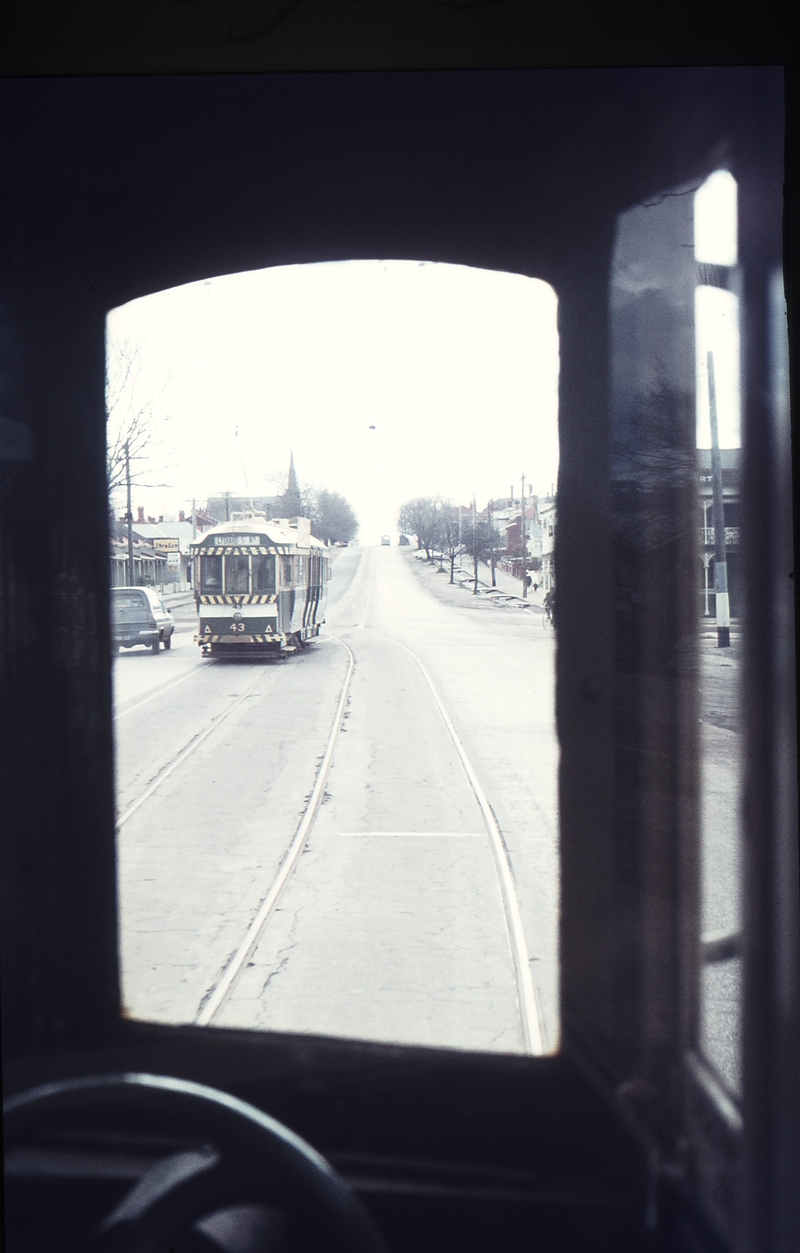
point(428, 846)
point(211, 574)
point(263, 574)
point(721, 754)
point(237, 574)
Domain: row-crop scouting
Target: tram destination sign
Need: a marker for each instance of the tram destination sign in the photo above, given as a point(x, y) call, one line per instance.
point(234, 541)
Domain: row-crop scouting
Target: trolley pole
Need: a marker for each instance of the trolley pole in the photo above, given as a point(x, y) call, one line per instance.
point(720, 561)
point(129, 514)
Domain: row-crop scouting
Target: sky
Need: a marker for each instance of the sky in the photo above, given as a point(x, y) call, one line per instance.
point(386, 379)
point(717, 310)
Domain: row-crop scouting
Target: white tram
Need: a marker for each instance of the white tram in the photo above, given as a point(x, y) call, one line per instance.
point(260, 586)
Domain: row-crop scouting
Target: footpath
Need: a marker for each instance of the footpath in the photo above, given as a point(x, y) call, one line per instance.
point(507, 590)
point(505, 595)
point(173, 600)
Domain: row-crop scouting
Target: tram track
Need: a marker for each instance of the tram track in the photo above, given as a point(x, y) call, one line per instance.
point(159, 691)
point(180, 757)
point(217, 995)
point(530, 1012)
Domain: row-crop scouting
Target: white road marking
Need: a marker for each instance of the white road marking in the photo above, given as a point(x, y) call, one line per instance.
point(530, 1012)
point(251, 940)
point(186, 752)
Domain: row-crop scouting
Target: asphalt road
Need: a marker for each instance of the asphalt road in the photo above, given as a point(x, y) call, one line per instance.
point(392, 926)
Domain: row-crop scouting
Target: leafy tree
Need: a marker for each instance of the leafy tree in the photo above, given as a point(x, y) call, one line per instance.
point(420, 517)
point(332, 517)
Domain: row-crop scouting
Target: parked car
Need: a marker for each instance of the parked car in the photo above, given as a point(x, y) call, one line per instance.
point(138, 617)
point(386, 539)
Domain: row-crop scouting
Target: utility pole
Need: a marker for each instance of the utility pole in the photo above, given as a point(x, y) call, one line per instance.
point(490, 520)
point(474, 548)
point(522, 541)
point(720, 561)
point(194, 519)
point(129, 515)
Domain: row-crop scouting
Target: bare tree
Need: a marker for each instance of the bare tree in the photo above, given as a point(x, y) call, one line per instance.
point(480, 541)
point(450, 536)
point(135, 415)
point(420, 517)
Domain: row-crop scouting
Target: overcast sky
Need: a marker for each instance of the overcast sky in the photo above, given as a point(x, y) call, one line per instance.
point(456, 369)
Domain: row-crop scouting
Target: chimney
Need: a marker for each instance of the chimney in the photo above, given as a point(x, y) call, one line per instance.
point(181, 516)
point(161, 518)
point(152, 521)
point(140, 509)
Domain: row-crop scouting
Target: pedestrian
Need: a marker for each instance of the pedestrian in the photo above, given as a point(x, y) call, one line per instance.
point(526, 582)
point(536, 587)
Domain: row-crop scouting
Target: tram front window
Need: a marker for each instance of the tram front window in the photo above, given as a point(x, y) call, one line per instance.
point(211, 574)
point(263, 574)
point(237, 574)
point(400, 710)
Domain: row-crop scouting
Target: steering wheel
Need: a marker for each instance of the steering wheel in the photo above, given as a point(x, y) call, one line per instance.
point(237, 1155)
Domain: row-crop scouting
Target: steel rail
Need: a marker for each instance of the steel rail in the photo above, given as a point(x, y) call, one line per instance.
point(531, 1017)
point(217, 995)
point(159, 691)
point(178, 760)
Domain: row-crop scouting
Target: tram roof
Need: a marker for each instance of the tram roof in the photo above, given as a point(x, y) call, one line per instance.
point(294, 532)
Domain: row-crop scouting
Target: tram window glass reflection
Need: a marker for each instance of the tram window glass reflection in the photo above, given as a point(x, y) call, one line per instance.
point(287, 571)
point(211, 574)
point(263, 574)
point(237, 574)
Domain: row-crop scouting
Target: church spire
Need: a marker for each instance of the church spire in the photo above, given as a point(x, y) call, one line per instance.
point(292, 487)
point(291, 501)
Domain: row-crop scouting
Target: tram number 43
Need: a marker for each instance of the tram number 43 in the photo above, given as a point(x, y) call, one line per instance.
point(237, 626)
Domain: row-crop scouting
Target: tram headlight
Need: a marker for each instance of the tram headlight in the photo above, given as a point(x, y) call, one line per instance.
point(237, 617)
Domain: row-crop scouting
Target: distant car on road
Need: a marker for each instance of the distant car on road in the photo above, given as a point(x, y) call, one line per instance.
point(386, 539)
point(138, 617)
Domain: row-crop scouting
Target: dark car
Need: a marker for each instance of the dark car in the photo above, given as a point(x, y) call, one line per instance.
point(138, 617)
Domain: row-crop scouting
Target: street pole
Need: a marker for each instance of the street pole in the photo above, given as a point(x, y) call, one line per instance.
point(129, 514)
point(474, 549)
point(490, 519)
point(522, 541)
point(194, 519)
point(720, 561)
